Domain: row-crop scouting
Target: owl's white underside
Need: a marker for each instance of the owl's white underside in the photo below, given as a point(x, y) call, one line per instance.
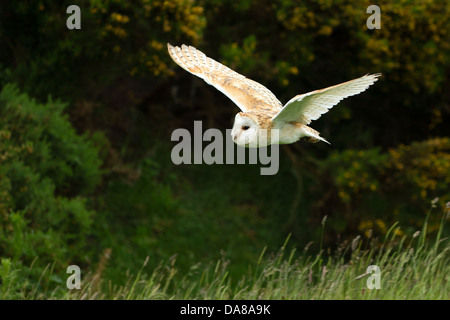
point(259, 137)
point(262, 112)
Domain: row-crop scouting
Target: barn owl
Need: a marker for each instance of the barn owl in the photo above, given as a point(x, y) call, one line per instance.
point(262, 112)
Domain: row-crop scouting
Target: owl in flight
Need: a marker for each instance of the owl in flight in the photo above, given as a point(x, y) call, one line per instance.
point(261, 110)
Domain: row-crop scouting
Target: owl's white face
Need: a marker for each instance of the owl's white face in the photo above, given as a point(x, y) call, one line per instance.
point(245, 131)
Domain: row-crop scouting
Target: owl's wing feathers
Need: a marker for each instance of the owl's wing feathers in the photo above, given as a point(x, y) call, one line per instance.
point(310, 106)
point(247, 94)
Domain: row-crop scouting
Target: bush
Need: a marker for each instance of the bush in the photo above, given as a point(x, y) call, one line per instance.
point(117, 39)
point(368, 184)
point(47, 172)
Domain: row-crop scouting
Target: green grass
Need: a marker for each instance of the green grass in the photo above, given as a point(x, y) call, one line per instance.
point(413, 267)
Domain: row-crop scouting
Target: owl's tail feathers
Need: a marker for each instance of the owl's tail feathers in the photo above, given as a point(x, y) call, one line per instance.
point(313, 136)
point(314, 140)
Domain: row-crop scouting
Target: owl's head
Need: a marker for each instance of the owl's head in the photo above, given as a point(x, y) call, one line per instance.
point(246, 130)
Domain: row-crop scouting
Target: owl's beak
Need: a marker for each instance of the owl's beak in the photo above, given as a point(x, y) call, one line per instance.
point(235, 137)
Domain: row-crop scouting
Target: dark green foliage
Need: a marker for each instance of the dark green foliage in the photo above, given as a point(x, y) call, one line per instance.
point(47, 172)
point(117, 38)
point(174, 210)
point(401, 181)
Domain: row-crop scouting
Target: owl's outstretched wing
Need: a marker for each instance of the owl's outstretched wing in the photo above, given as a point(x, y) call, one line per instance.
point(310, 106)
point(247, 94)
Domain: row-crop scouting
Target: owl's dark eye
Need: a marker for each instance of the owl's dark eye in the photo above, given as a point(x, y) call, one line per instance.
point(245, 127)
